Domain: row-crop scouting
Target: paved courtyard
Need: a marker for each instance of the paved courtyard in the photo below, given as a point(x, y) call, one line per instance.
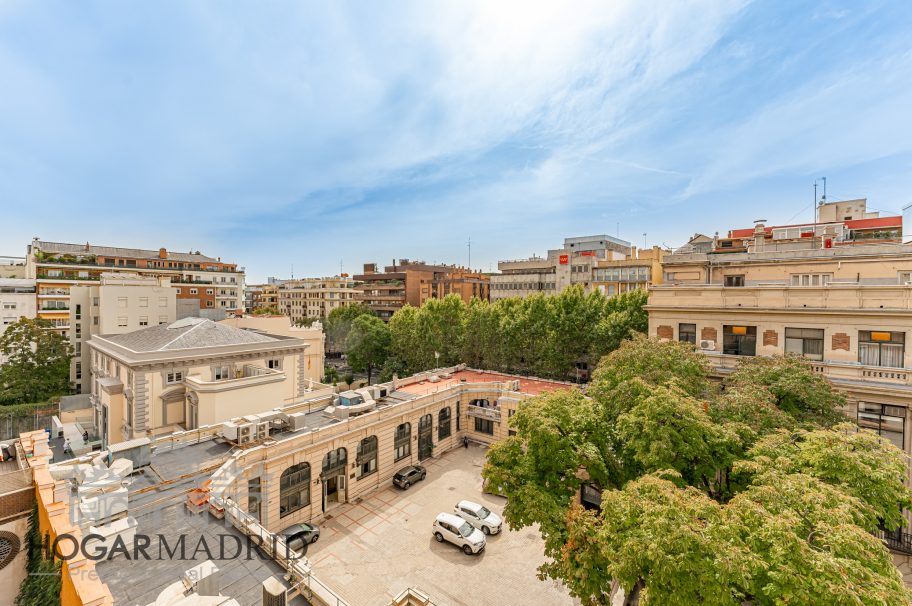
point(371, 551)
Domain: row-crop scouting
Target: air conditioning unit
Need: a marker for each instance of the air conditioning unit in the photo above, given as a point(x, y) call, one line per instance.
point(244, 439)
point(229, 431)
point(262, 430)
point(707, 344)
point(296, 421)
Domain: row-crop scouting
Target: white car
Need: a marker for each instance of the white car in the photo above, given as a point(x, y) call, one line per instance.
point(448, 527)
point(479, 516)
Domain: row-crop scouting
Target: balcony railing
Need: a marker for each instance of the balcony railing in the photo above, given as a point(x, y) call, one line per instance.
point(67, 278)
point(851, 297)
point(900, 542)
point(831, 369)
point(484, 413)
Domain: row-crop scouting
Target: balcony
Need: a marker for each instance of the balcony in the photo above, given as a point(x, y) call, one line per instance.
point(52, 309)
point(68, 278)
point(492, 414)
point(900, 542)
point(244, 376)
point(838, 372)
point(850, 297)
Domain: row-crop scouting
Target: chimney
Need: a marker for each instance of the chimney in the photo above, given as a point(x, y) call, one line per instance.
point(162, 253)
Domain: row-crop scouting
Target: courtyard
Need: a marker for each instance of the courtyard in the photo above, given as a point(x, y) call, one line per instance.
point(370, 551)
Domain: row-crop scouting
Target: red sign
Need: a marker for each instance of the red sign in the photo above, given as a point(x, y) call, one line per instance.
point(587, 253)
point(564, 259)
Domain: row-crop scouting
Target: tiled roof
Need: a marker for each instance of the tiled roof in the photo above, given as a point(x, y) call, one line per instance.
point(189, 333)
point(111, 251)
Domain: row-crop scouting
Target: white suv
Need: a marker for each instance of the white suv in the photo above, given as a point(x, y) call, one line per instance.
point(448, 527)
point(479, 516)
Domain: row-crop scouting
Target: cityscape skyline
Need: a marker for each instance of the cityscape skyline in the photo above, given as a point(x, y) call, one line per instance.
point(346, 135)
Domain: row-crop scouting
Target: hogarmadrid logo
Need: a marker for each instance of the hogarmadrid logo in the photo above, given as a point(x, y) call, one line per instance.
point(159, 547)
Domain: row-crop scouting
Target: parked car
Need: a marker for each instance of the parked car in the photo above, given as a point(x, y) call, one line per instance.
point(407, 476)
point(452, 528)
point(479, 516)
point(299, 536)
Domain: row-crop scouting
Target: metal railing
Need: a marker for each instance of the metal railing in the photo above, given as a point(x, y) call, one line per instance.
point(484, 413)
point(896, 541)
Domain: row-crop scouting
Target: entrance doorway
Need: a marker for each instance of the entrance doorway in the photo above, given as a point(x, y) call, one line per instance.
point(335, 465)
point(425, 437)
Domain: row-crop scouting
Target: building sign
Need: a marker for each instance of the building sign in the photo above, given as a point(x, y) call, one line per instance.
point(564, 259)
point(587, 253)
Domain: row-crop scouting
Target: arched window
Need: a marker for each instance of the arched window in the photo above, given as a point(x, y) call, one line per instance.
point(403, 441)
point(480, 403)
point(443, 423)
point(367, 456)
point(334, 462)
point(294, 493)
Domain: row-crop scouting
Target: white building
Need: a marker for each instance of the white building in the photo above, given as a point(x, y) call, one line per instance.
point(17, 300)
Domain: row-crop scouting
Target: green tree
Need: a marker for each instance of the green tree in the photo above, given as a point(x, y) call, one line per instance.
point(339, 323)
point(368, 343)
point(405, 339)
point(38, 362)
point(42, 583)
point(623, 317)
point(707, 497)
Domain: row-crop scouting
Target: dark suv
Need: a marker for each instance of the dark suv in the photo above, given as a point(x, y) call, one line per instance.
point(407, 476)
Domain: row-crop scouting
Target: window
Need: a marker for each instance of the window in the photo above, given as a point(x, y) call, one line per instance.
point(178, 290)
point(208, 303)
point(443, 423)
point(144, 301)
point(884, 420)
point(275, 364)
point(194, 291)
point(162, 319)
point(484, 426)
point(121, 302)
point(209, 291)
point(220, 372)
point(174, 377)
point(811, 279)
point(367, 456)
point(905, 277)
point(807, 342)
point(95, 321)
point(294, 489)
point(9, 306)
point(403, 441)
point(78, 370)
point(78, 312)
point(94, 301)
point(739, 340)
point(458, 428)
point(335, 462)
point(734, 280)
point(687, 333)
point(122, 322)
point(143, 320)
point(881, 348)
point(510, 413)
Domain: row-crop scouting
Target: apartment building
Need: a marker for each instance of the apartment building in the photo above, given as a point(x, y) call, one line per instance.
point(192, 372)
point(313, 298)
point(261, 296)
point(643, 269)
point(415, 282)
point(838, 292)
point(210, 283)
point(118, 303)
point(12, 267)
point(574, 263)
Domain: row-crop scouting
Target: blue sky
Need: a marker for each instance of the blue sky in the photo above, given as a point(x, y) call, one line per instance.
point(314, 134)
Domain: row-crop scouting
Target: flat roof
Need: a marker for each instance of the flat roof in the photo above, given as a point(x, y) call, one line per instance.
point(529, 386)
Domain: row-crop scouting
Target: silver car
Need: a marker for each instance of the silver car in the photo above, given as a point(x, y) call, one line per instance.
point(479, 516)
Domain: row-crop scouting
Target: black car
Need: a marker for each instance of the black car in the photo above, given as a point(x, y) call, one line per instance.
point(407, 476)
point(299, 536)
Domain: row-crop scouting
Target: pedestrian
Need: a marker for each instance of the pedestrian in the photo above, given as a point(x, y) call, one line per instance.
point(66, 446)
point(85, 436)
point(465, 441)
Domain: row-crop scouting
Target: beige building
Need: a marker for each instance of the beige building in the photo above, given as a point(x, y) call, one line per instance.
point(842, 301)
point(302, 475)
point(575, 263)
point(643, 269)
point(314, 298)
point(312, 335)
point(192, 372)
point(118, 303)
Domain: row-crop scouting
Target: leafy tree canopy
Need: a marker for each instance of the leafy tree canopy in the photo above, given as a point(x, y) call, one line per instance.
point(38, 362)
point(742, 495)
point(368, 343)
